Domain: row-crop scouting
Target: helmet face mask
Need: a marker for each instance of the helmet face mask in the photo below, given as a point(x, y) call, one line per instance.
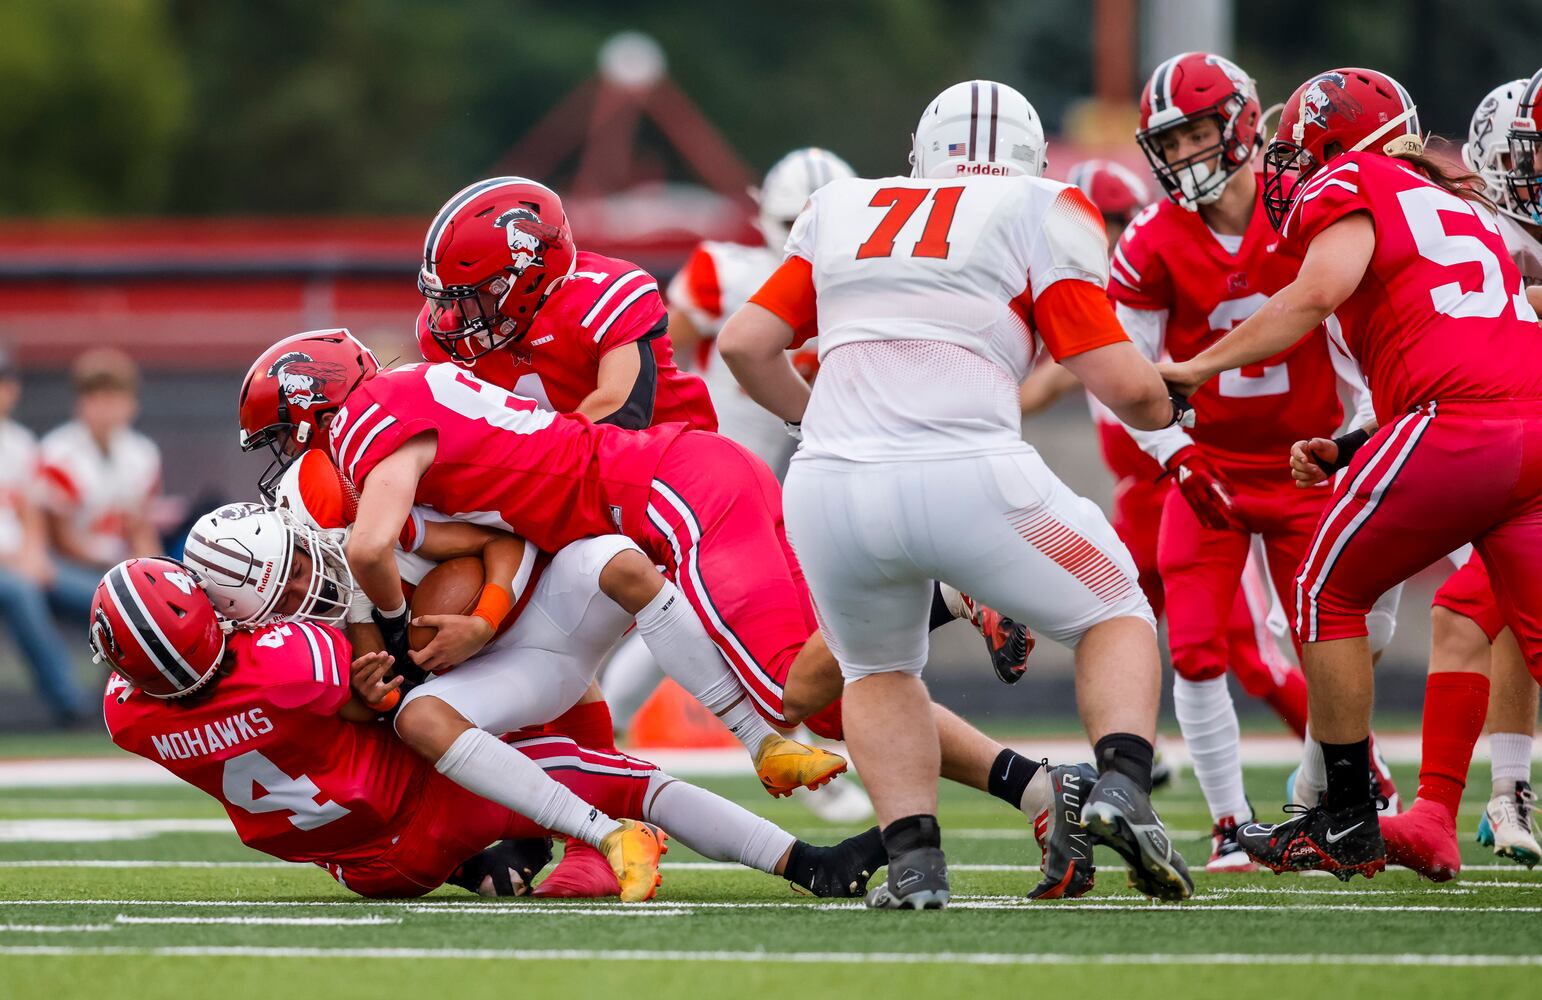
point(1523, 178)
point(1199, 178)
point(1287, 167)
point(467, 321)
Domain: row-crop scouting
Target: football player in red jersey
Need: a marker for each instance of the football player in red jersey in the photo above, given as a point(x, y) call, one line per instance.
point(1141, 486)
point(697, 504)
point(265, 722)
point(286, 411)
point(1457, 385)
point(512, 299)
point(1475, 663)
point(1185, 272)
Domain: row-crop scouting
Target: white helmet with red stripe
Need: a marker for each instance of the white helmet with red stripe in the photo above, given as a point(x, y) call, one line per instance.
point(978, 127)
point(787, 188)
point(261, 565)
point(153, 624)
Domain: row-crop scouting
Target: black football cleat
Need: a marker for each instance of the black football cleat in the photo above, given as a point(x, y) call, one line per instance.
point(1345, 843)
point(842, 871)
point(918, 880)
point(1067, 846)
point(1119, 815)
point(508, 868)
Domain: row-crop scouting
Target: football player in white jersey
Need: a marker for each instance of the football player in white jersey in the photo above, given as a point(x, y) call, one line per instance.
point(934, 293)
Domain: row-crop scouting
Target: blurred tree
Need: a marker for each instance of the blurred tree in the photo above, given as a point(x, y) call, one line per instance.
point(94, 103)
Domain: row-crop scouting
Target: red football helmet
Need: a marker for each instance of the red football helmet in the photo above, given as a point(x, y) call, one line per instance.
point(1524, 178)
point(494, 253)
point(1188, 88)
point(1113, 188)
point(1340, 111)
point(291, 387)
point(154, 625)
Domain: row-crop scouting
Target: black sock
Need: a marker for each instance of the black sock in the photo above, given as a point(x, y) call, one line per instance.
point(911, 833)
point(940, 613)
point(802, 863)
point(1126, 753)
point(1349, 775)
point(1010, 775)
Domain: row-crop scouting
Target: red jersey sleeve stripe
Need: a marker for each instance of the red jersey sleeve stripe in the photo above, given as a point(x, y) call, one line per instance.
point(363, 446)
point(615, 286)
point(1073, 317)
point(626, 303)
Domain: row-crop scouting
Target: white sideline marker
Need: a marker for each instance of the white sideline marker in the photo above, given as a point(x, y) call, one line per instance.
point(801, 957)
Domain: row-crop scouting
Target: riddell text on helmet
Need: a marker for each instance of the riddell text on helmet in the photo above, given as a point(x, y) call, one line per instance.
point(995, 169)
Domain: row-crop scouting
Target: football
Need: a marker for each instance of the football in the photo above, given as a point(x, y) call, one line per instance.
point(451, 588)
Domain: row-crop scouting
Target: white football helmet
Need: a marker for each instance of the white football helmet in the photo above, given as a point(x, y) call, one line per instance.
point(1487, 149)
point(978, 127)
point(246, 553)
point(787, 187)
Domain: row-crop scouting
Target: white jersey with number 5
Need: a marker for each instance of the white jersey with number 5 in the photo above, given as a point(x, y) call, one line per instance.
point(926, 292)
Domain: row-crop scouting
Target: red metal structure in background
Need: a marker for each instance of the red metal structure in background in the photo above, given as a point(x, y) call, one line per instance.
point(205, 294)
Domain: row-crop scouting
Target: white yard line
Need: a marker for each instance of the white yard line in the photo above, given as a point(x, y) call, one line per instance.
point(54, 928)
point(80, 831)
point(119, 770)
point(124, 918)
point(801, 957)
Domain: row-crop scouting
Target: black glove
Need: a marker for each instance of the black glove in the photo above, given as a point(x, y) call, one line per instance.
point(393, 632)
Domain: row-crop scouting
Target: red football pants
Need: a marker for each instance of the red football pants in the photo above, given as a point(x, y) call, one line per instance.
point(1202, 567)
point(715, 525)
point(1440, 476)
point(1470, 593)
point(448, 824)
point(1140, 491)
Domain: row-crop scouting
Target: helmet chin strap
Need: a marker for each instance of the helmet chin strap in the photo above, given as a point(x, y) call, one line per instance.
point(1403, 145)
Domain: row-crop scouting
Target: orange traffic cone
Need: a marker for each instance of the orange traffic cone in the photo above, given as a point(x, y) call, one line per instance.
point(672, 719)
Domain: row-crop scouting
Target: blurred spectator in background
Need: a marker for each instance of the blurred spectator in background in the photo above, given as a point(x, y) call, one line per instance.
point(100, 477)
point(26, 571)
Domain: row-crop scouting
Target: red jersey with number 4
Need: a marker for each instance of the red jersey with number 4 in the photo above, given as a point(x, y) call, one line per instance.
point(604, 304)
point(501, 459)
point(1440, 313)
point(298, 782)
point(1168, 260)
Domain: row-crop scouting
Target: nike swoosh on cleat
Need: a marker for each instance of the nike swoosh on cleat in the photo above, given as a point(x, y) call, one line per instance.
point(1256, 830)
point(1334, 836)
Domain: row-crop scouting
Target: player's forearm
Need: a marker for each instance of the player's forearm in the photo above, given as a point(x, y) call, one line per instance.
point(501, 559)
point(1043, 388)
point(754, 343)
point(374, 569)
point(1120, 377)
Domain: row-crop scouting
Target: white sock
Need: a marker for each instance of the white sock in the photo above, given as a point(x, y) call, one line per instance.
point(631, 675)
point(1208, 720)
point(678, 641)
point(1511, 753)
point(480, 762)
point(712, 826)
point(953, 598)
point(1314, 769)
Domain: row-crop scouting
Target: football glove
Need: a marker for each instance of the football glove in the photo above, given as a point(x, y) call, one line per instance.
point(393, 632)
point(1203, 488)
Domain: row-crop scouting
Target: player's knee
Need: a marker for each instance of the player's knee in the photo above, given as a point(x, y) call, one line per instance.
point(1199, 668)
point(1457, 643)
point(429, 725)
point(630, 579)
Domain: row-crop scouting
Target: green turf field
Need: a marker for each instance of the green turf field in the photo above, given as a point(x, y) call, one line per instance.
point(183, 908)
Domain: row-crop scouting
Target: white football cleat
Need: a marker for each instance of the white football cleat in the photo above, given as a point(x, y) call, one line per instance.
point(1509, 826)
